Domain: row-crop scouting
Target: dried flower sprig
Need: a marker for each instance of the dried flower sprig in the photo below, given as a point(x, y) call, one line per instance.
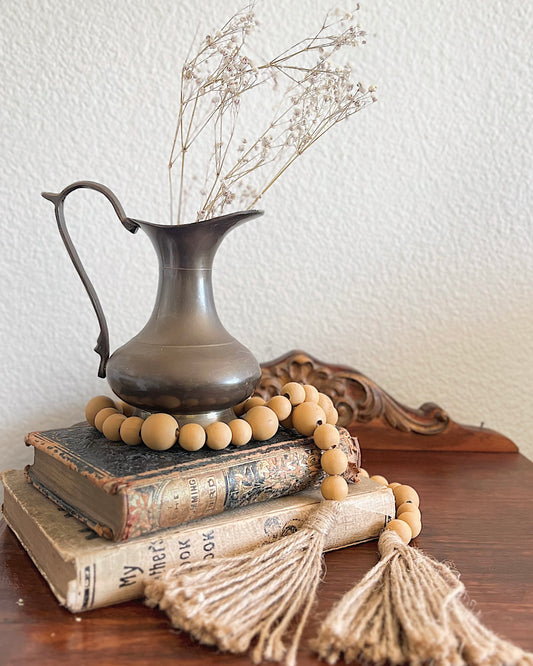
point(316, 95)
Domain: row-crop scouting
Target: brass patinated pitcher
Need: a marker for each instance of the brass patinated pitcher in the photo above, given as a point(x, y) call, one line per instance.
point(183, 362)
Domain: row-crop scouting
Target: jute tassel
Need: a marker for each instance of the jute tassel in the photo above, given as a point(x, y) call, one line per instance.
point(408, 610)
point(233, 601)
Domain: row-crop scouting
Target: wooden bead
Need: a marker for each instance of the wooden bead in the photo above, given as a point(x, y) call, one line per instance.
point(334, 488)
point(401, 528)
point(287, 423)
point(311, 393)
point(191, 437)
point(130, 430)
point(111, 427)
point(325, 402)
point(263, 421)
point(218, 435)
point(306, 417)
point(414, 522)
point(95, 405)
point(102, 415)
point(294, 392)
point(405, 493)
point(241, 432)
point(326, 436)
point(334, 461)
point(281, 406)
point(332, 416)
point(407, 506)
point(379, 479)
point(127, 410)
point(363, 472)
point(239, 409)
point(254, 401)
point(394, 485)
point(160, 431)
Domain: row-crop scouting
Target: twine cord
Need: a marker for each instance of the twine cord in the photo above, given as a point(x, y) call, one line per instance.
point(258, 595)
point(409, 609)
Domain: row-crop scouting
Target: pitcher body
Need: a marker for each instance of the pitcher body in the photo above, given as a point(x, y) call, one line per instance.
point(183, 361)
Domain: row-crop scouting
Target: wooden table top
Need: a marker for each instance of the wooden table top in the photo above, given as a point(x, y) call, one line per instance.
point(477, 512)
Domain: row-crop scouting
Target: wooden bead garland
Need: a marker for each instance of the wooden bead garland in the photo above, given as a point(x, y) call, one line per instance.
point(408, 521)
point(160, 431)
point(263, 421)
point(192, 437)
point(218, 435)
point(112, 425)
point(102, 415)
point(299, 406)
point(130, 430)
point(95, 405)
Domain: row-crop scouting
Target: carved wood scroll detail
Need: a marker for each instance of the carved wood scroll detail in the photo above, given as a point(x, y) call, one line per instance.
point(357, 398)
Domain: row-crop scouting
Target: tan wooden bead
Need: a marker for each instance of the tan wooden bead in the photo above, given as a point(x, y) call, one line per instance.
point(191, 437)
point(241, 432)
point(281, 406)
point(111, 427)
point(311, 393)
point(401, 528)
point(127, 410)
point(306, 417)
point(379, 479)
point(287, 423)
point(334, 461)
point(394, 485)
point(407, 506)
point(332, 416)
point(334, 488)
point(160, 431)
point(363, 472)
point(238, 410)
point(254, 401)
point(326, 436)
point(102, 415)
point(264, 422)
point(325, 402)
point(405, 493)
point(294, 392)
point(218, 435)
point(130, 430)
point(95, 405)
point(414, 522)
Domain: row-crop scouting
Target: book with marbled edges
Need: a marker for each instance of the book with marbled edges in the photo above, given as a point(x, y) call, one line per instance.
point(122, 492)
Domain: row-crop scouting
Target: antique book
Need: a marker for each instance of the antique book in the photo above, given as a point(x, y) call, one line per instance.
point(85, 571)
point(123, 491)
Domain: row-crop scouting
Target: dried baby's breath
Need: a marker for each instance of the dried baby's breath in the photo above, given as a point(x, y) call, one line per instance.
point(313, 94)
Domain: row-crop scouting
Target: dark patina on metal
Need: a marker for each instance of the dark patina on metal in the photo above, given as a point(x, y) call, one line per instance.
point(183, 361)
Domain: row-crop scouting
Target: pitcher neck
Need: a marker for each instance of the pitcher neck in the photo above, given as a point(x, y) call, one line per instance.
point(187, 292)
point(192, 246)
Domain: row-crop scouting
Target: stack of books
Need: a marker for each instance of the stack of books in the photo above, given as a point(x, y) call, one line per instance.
point(99, 518)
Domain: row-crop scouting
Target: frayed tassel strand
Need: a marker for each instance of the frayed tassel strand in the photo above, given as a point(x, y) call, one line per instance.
point(408, 609)
point(233, 601)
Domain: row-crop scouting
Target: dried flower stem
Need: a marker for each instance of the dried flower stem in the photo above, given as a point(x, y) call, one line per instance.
point(214, 81)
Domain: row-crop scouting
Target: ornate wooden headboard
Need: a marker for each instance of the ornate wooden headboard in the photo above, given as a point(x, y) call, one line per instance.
point(375, 417)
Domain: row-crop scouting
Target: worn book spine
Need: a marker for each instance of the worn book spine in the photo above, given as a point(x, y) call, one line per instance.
point(189, 491)
point(85, 571)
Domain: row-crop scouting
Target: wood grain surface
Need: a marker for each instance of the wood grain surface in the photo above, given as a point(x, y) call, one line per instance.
point(477, 513)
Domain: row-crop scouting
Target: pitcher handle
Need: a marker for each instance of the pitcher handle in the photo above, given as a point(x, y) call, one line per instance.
point(102, 344)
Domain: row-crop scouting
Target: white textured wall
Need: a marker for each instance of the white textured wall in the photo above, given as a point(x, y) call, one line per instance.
point(402, 245)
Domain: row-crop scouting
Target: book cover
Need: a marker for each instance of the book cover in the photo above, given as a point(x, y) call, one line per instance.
point(85, 571)
point(122, 492)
